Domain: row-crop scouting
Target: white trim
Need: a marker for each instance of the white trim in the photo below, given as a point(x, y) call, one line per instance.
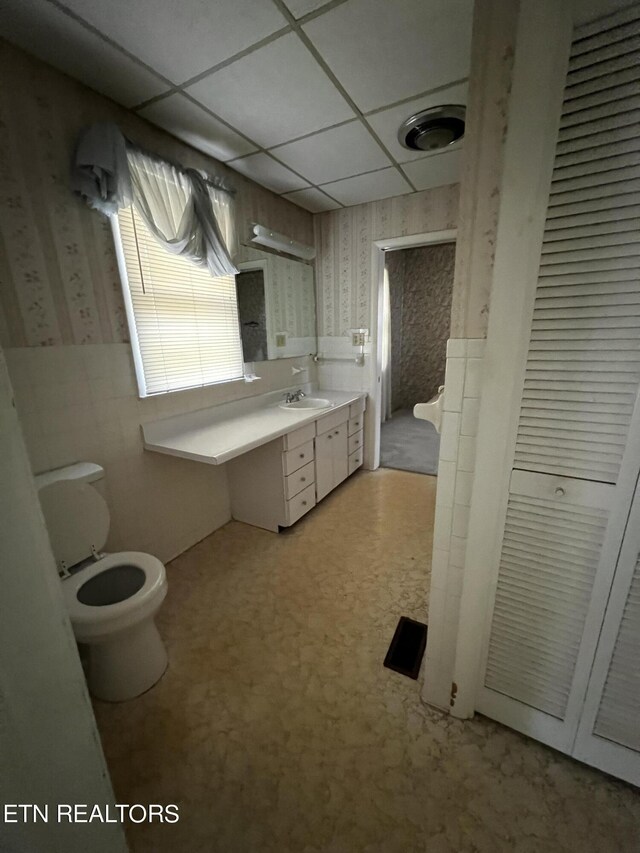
point(544, 29)
point(378, 248)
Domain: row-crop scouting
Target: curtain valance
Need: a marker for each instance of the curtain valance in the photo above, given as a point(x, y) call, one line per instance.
point(189, 214)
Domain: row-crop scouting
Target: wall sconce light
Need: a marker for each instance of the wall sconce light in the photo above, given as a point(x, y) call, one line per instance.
point(282, 243)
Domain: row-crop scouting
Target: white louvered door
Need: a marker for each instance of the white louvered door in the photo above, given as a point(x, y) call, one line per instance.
point(577, 449)
point(609, 730)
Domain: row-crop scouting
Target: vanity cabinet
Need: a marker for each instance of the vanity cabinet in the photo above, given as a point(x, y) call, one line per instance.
point(276, 484)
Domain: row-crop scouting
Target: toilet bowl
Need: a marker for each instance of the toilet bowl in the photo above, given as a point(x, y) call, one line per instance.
point(431, 411)
point(111, 599)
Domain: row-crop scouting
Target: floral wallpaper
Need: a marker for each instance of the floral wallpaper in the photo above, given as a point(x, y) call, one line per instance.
point(59, 281)
point(344, 241)
point(420, 289)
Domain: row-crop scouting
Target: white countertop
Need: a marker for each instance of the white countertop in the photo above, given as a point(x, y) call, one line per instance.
point(220, 433)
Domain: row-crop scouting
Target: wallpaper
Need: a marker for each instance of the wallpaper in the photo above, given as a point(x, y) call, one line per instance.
point(420, 285)
point(344, 241)
point(59, 281)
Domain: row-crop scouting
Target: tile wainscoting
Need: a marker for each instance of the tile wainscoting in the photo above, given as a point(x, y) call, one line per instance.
point(455, 479)
point(80, 403)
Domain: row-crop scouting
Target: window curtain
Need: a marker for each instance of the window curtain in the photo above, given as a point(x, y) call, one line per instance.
point(187, 213)
point(385, 377)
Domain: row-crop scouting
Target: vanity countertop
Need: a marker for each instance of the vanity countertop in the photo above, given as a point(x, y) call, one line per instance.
point(221, 433)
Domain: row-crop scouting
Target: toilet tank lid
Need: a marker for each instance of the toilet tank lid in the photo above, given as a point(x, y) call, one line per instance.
point(81, 472)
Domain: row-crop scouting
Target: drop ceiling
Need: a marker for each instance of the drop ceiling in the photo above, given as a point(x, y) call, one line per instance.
point(303, 96)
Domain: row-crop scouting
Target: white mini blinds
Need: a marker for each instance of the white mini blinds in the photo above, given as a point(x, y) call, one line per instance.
point(183, 321)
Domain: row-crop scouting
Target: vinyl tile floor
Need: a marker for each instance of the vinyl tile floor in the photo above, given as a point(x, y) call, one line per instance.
point(276, 727)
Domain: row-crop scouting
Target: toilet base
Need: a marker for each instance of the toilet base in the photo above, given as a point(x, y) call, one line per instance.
point(128, 664)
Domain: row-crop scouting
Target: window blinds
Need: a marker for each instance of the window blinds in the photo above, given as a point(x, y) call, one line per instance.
point(184, 322)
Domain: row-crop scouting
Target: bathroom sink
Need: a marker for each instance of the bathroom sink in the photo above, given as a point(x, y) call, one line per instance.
point(308, 403)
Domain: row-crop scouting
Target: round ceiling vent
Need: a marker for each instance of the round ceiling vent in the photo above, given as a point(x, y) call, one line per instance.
point(433, 129)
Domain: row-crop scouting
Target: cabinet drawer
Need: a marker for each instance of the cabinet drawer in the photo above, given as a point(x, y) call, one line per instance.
point(355, 460)
point(299, 436)
point(301, 503)
point(296, 458)
point(357, 408)
point(356, 424)
point(333, 420)
point(355, 442)
point(299, 480)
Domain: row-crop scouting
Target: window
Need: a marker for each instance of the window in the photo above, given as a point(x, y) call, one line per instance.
point(183, 321)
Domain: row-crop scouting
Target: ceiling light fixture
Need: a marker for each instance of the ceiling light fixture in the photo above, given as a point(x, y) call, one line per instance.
point(433, 129)
point(282, 243)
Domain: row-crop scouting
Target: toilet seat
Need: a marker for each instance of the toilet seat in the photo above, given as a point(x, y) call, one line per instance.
point(92, 623)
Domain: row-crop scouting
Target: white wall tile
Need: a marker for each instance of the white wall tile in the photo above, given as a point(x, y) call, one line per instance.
point(467, 453)
point(473, 380)
point(460, 521)
point(476, 347)
point(446, 482)
point(470, 412)
point(442, 527)
point(456, 348)
point(464, 483)
point(457, 551)
point(449, 436)
point(454, 384)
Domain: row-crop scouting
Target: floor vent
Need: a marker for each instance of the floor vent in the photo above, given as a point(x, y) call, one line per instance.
point(407, 647)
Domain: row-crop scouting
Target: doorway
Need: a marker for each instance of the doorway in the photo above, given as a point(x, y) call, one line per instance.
point(416, 291)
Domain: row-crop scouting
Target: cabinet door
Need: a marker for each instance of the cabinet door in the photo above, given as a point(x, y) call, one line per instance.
point(332, 465)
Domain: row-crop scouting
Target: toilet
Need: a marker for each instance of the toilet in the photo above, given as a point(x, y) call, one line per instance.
point(111, 599)
point(431, 411)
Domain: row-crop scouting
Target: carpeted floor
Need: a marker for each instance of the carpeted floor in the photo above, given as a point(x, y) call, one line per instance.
point(409, 444)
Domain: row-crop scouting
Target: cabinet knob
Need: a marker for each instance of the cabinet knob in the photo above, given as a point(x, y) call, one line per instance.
point(560, 492)
point(357, 423)
point(329, 437)
point(302, 456)
point(336, 432)
point(304, 503)
point(303, 479)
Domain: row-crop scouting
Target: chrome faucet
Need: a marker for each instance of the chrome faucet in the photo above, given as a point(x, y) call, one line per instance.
point(294, 397)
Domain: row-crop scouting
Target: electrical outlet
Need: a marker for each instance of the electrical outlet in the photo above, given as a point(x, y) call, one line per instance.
point(281, 339)
point(358, 339)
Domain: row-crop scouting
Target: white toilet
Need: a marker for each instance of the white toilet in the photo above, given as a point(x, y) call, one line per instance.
point(111, 598)
point(431, 411)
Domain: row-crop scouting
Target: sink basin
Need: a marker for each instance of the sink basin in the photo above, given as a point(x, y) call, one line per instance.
point(308, 403)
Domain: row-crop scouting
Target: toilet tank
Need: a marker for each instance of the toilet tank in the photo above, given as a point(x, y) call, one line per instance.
point(75, 512)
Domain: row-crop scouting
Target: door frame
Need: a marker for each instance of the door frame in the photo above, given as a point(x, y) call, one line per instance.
point(378, 249)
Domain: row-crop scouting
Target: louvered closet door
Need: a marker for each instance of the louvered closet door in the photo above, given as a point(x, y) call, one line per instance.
point(574, 464)
point(609, 731)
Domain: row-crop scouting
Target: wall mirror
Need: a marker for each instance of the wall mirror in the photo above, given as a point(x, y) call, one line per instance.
point(276, 307)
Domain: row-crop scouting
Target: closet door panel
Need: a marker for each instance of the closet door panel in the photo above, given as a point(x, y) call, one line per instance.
point(609, 731)
point(576, 454)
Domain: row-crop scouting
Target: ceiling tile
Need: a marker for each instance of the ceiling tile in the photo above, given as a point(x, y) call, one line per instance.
point(182, 40)
point(54, 37)
point(264, 170)
point(313, 200)
point(333, 154)
point(193, 125)
point(436, 170)
point(375, 185)
point(274, 94)
point(382, 52)
point(387, 122)
point(299, 8)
